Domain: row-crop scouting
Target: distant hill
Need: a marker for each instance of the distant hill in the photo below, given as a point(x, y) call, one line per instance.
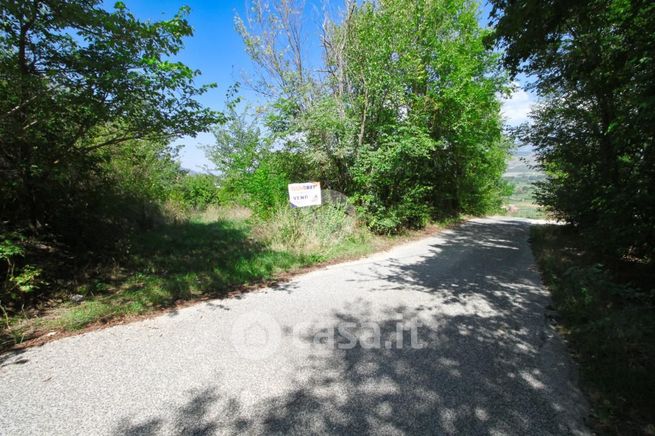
point(522, 173)
point(526, 150)
point(523, 165)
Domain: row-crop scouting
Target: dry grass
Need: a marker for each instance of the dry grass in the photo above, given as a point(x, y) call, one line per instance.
point(310, 231)
point(229, 213)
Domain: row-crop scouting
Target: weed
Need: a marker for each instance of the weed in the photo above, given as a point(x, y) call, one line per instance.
point(610, 324)
point(318, 231)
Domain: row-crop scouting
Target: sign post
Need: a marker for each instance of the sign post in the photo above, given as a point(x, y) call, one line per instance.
point(305, 194)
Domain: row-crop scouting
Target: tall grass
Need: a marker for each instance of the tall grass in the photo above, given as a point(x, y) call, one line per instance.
point(318, 231)
point(198, 254)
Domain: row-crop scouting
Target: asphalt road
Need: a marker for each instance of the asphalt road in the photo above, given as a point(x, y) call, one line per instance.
point(323, 354)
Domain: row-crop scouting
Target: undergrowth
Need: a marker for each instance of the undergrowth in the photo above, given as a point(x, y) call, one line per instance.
point(192, 256)
point(607, 312)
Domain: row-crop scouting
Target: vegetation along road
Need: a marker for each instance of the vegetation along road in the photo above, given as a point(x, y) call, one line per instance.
point(322, 353)
point(146, 154)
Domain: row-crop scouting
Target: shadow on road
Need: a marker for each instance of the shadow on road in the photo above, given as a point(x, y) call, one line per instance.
point(490, 363)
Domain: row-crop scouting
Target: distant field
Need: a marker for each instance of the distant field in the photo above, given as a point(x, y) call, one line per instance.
point(522, 175)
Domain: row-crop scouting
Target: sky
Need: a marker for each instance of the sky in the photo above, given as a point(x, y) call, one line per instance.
point(218, 52)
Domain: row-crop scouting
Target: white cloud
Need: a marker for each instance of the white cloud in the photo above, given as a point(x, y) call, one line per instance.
point(515, 109)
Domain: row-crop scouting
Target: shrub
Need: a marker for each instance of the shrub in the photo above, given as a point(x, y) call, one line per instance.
point(393, 193)
point(314, 231)
point(606, 312)
point(196, 191)
point(264, 189)
point(19, 278)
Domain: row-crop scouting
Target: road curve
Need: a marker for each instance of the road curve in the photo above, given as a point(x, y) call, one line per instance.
point(478, 354)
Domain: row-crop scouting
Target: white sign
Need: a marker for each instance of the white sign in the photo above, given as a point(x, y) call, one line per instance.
point(305, 194)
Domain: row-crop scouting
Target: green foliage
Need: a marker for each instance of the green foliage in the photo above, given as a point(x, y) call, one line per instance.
point(425, 91)
point(10, 249)
point(267, 186)
point(78, 82)
point(595, 128)
point(607, 313)
point(141, 170)
point(238, 141)
point(196, 191)
point(89, 99)
point(406, 121)
point(263, 190)
point(131, 181)
point(594, 132)
point(392, 176)
point(250, 172)
point(326, 140)
point(18, 278)
point(27, 279)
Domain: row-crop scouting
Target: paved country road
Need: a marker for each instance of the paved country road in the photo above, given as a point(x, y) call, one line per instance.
point(478, 356)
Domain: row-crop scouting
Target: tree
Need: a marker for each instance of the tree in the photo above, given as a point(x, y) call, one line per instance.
point(422, 89)
point(273, 35)
point(250, 170)
point(405, 117)
point(238, 141)
point(595, 128)
point(75, 80)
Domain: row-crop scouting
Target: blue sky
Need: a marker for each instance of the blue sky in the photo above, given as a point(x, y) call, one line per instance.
point(218, 52)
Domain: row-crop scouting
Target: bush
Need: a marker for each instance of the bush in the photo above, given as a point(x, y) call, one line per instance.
point(18, 278)
point(393, 192)
point(196, 191)
point(252, 173)
point(312, 231)
point(609, 322)
point(263, 190)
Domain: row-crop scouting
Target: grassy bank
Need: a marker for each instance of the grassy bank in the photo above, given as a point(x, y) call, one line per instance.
point(206, 255)
point(607, 314)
